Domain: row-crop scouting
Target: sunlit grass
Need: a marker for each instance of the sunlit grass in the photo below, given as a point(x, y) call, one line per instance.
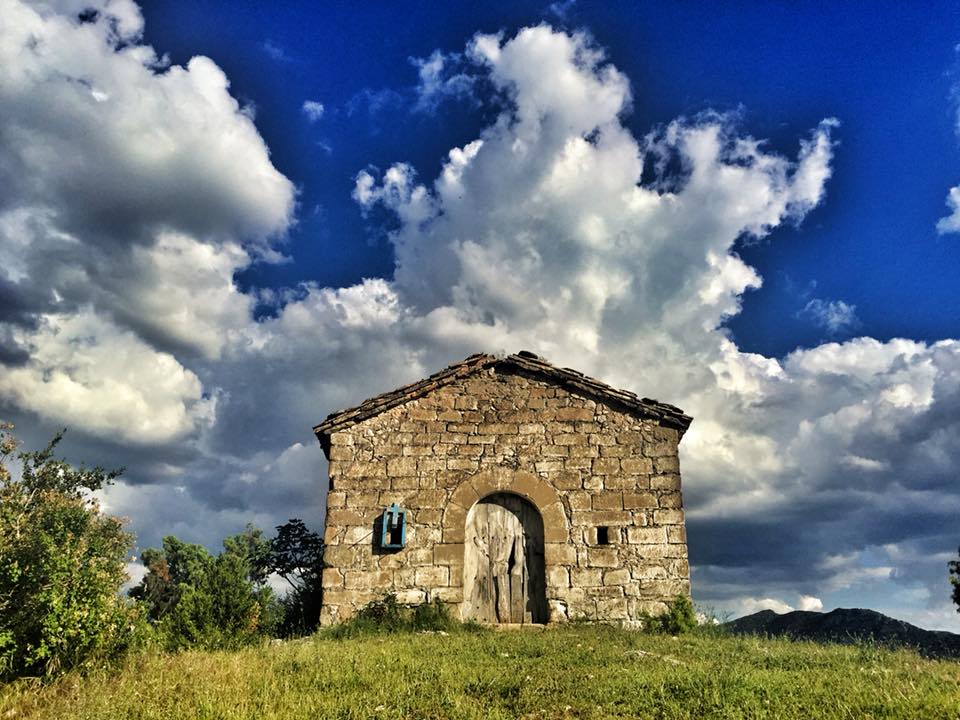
point(573, 672)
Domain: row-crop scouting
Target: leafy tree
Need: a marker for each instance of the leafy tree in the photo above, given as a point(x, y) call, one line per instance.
point(200, 600)
point(61, 565)
point(296, 555)
point(954, 566)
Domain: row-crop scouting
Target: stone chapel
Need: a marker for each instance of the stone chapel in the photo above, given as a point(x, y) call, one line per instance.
point(512, 490)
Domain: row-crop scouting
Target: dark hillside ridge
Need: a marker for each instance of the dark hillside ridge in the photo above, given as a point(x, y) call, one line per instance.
point(849, 625)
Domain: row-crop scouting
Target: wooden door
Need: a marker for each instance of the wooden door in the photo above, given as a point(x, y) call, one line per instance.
point(504, 578)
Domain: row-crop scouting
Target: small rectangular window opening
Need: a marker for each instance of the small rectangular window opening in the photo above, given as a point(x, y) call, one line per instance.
point(396, 535)
point(603, 535)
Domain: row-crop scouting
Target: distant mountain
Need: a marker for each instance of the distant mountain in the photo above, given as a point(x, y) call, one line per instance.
point(846, 625)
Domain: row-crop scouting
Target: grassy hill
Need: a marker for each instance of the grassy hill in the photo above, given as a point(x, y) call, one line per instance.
point(572, 672)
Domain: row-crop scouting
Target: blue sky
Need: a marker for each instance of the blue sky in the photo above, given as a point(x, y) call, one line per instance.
point(222, 221)
point(886, 73)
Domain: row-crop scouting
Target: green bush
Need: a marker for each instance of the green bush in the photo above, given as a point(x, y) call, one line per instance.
point(679, 618)
point(62, 563)
point(195, 599)
point(954, 568)
point(386, 615)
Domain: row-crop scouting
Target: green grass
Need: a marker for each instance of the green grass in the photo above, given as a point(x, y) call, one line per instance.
point(571, 672)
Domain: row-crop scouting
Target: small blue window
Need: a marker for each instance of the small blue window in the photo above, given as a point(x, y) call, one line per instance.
point(393, 530)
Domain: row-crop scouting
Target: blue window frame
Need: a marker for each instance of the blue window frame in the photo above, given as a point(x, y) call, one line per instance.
point(393, 529)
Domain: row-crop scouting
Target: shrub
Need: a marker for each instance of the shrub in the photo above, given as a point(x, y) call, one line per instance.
point(62, 563)
point(679, 618)
point(195, 599)
point(387, 615)
point(954, 567)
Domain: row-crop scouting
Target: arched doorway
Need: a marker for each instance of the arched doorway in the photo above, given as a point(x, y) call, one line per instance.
point(503, 573)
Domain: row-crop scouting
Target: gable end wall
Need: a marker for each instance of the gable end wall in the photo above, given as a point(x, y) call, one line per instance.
point(582, 463)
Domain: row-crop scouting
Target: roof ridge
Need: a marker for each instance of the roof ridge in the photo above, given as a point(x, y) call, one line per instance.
point(664, 413)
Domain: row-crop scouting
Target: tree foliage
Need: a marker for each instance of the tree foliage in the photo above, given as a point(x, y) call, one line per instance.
point(296, 555)
point(196, 599)
point(954, 567)
point(62, 563)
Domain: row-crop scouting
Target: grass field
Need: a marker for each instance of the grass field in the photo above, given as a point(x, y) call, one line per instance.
point(572, 672)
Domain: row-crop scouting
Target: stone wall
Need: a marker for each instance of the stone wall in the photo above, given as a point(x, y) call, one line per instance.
point(581, 462)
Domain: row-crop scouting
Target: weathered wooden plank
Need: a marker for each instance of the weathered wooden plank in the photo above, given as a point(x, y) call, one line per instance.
point(504, 563)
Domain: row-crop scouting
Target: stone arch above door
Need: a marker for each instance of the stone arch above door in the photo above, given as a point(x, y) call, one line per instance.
point(505, 480)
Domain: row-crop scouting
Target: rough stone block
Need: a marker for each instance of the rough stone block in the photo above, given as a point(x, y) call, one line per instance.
point(671, 500)
point(646, 536)
point(584, 577)
point(426, 499)
point(404, 483)
point(417, 450)
point(466, 429)
point(612, 609)
point(648, 572)
point(607, 500)
point(616, 577)
point(497, 429)
point(665, 482)
point(677, 534)
point(448, 554)
point(574, 413)
point(357, 500)
point(342, 517)
point(668, 517)
point(332, 535)
point(554, 523)
point(465, 402)
point(373, 469)
point(418, 556)
point(668, 464)
point(447, 594)
point(660, 449)
point(432, 465)
point(602, 557)
point(559, 553)
point(413, 596)
point(567, 479)
point(558, 576)
point(356, 535)
point(579, 500)
point(367, 580)
point(603, 517)
point(432, 576)
point(331, 578)
point(637, 466)
point(584, 452)
point(606, 466)
point(633, 501)
point(531, 429)
point(341, 452)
